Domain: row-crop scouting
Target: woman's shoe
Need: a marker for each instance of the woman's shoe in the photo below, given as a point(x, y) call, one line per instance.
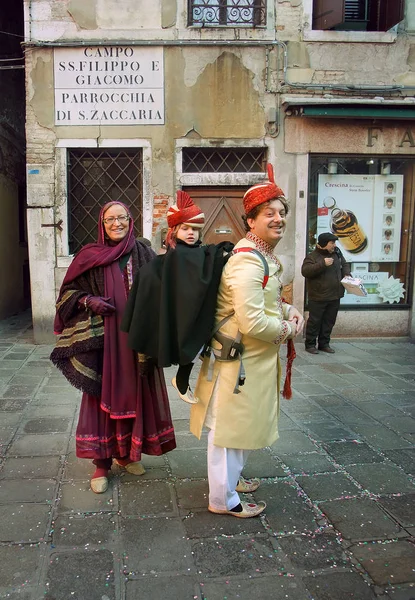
point(246, 486)
point(188, 397)
point(134, 468)
point(99, 485)
point(248, 510)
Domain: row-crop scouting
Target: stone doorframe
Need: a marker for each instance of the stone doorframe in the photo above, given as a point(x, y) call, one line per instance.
point(63, 258)
point(218, 179)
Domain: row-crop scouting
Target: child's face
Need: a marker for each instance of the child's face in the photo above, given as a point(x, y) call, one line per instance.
point(188, 234)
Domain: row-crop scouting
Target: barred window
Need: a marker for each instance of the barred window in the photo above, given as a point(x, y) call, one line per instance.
point(231, 13)
point(224, 160)
point(96, 177)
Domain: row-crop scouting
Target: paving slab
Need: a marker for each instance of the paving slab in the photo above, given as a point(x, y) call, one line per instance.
point(76, 531)
point(327, 487)
point(237, 556)
point(330, 433)
point(156, 588)
point(380, 437)
point(18, 391)
point(24, 522)
point(153, 546)
point(292, 442)
point(27, 490)
point(339, 586)
point(6, 435)
point(404, 458)
point(352, 452)
point(314, 552)
point(360, 519)
point(400, 424)
point(287, 511)
point(192, 495)
point(401, 592)
point(188, 464)
point(387, 564)
point(350, 415)
point(402, 508)
point(381, 478)
point(187, 441)
point(39, 444)
point(261, 463)
point(146, 498)
point(300, 464)
point(37, 467)
point(203, 524)
point(329, 400)
point(47, 425)
point(13, 404)
point(378, 410)
point(76, 497)
point(277, 587)
point(19, 565)
point(80, 575)
point(78, 468)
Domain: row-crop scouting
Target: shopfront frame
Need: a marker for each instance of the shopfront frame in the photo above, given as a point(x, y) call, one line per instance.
point(306, 137)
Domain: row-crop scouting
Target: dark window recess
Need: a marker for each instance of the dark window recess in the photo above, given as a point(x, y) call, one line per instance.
point(96, 177)
point(359, 15)
point(224, 160)
point(231, 13)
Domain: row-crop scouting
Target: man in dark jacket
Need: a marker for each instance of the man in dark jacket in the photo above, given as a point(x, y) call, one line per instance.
point(323, 268)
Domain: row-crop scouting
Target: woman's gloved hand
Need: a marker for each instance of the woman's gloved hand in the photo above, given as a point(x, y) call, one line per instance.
point(98, 305)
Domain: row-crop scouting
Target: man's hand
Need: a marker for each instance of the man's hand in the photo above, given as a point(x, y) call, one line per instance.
point(294, 316)
point(329, 261)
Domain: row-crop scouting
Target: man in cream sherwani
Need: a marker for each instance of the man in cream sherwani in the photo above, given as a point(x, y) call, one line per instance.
point(246, 419)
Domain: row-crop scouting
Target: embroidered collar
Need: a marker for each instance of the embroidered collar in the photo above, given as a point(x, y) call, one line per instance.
point(263, 247)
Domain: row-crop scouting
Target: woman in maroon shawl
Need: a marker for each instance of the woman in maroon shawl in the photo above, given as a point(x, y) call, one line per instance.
point(125, 409)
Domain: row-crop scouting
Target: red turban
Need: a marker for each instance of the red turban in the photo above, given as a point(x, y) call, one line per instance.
point(260, 193)
point(185, 211)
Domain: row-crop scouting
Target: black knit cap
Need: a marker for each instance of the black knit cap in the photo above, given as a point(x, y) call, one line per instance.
point(325, 238)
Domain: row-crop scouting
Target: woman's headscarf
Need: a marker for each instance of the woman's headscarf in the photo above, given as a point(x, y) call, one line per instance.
point(101, 253)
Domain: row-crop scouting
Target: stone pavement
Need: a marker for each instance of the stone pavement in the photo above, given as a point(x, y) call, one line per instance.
point(339, 524)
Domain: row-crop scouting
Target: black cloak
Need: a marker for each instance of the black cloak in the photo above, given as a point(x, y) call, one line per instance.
point(171, 307)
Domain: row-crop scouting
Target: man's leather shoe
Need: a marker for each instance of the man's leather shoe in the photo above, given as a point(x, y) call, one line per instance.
point(311, 350)
point(327, 349)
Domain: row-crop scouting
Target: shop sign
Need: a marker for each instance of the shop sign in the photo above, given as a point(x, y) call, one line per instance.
point(365, 212)
point(109, 85)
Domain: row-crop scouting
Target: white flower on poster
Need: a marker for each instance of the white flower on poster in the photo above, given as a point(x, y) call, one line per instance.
point(391, 290)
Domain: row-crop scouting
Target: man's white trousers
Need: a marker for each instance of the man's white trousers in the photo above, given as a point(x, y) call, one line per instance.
point(224, 468)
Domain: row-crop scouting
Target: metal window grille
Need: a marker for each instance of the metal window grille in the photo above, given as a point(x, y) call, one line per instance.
point(227, 12)
point(96, 177)
point(224, 160)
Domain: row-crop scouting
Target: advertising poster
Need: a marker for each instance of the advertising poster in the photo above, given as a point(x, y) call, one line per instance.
point(365, 212)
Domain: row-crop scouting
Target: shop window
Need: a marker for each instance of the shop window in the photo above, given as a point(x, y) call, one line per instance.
point(369, 204)
point(224, 160)
point(357, 15)
point(230, 13)
point(96, 177)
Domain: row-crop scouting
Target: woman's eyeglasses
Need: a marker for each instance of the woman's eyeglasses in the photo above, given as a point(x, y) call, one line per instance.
point(120, 219)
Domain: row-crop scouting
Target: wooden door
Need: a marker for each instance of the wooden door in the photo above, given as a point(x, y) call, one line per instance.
point(223, 210)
